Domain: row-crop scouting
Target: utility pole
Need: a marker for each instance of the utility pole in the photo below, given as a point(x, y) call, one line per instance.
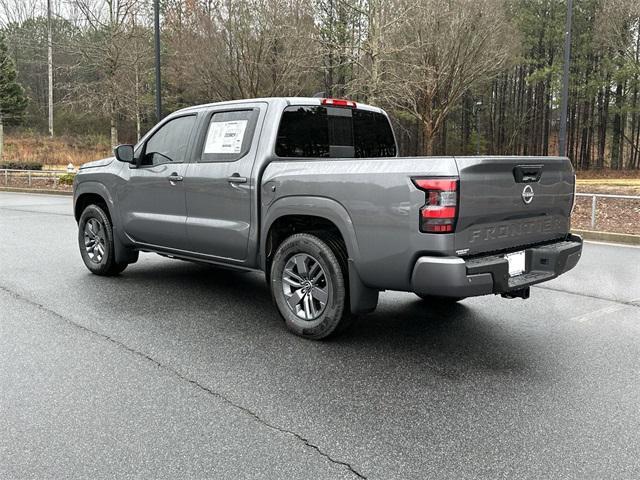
point(50, 66)
point(156, 22)
point(562, 140)
point(478, 105)
point(1, 136)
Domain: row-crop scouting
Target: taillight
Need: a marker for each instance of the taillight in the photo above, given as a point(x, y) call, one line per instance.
point(338, 102)
point(439, 213)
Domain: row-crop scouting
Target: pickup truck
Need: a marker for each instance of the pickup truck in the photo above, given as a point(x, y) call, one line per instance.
point(312, 192)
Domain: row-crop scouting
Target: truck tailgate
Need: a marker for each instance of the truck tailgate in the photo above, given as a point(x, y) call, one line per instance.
point(508, 202)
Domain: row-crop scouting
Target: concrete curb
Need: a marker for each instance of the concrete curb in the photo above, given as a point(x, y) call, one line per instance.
point(625, 238)
point(34, 190)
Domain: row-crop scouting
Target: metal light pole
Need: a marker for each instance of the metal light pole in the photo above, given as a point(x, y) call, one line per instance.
point(562, 139)
point(50, 67)
point(477, 109)
point(156, 21)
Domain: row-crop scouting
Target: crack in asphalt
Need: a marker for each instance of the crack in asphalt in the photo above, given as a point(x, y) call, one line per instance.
point(631, 303)
point(184, 378)
point(22, 210)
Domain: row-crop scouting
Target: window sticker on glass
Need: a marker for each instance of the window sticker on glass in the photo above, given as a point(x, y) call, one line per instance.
point(225, 137)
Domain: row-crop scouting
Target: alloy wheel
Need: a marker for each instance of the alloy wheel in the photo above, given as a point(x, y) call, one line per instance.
point(305, 286)
point(94, 240)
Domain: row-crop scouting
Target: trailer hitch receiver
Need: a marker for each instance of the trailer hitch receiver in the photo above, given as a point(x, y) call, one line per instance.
point(521, 293)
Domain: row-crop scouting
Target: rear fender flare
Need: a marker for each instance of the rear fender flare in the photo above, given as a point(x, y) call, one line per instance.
point(362, 298)
point(310, 206)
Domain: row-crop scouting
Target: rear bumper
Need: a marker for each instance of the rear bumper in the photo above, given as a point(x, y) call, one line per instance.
point(459, 277)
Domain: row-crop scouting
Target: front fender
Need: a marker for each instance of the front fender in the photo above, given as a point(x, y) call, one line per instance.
point(96, 188)
point(122, 245)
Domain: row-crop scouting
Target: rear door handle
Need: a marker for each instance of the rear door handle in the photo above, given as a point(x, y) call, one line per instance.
point(235, 178)
point(174, 177)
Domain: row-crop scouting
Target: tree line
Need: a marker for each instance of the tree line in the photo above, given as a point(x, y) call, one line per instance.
point(456, 76)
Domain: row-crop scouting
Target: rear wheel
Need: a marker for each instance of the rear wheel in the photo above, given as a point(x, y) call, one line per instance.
point(95, 239)
point(309, 286)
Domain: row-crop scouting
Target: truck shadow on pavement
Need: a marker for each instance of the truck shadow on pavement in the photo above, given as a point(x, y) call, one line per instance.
point(448, 340)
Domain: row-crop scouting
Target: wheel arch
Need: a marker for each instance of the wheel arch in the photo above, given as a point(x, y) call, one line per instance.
point(92, 192)
point(322, 210)
point(88, 193)
point(307, 213)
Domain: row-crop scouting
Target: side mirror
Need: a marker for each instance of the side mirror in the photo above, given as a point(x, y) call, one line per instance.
point(124, 153)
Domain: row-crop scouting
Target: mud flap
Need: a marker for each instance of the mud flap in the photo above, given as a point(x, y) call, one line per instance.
point(362, 298)
point(122, 253)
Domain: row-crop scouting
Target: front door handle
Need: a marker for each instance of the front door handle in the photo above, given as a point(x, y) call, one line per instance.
point(235, 178)
point(174, 177)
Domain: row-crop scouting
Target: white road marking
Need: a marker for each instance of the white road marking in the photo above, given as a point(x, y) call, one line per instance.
point(598, 313)
point(611, 244)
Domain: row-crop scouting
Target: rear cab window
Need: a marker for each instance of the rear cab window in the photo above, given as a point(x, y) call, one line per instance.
point(334, 132)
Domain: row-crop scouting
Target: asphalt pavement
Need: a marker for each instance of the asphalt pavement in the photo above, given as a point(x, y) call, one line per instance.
point(179, 370)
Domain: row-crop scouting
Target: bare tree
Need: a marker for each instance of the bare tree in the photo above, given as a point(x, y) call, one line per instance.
point(238, 49)
point(137, 58)
point(370, 47)
point(18, 11)
point(103, 45)
point(444, 48)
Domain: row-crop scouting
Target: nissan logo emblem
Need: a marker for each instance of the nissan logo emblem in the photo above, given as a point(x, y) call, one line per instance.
point(527, 194)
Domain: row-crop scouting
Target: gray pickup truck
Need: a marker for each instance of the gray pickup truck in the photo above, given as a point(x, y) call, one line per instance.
point(313, 193)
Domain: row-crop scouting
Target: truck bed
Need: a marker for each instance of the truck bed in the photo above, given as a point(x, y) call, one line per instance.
point(383, 205)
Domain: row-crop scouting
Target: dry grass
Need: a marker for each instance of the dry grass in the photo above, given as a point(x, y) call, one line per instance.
point(611, 189)
point(612, 215)
point(609, 182)
point(607, 173)
point(54, 152)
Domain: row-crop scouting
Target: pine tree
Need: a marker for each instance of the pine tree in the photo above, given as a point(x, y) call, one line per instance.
point(13, 101)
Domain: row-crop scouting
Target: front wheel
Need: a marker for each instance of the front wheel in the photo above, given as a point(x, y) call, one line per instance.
point(309, 286)
point(95, 239)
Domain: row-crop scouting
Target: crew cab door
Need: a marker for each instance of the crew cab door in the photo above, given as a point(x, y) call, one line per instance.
point(219, 185)
point(152, 198)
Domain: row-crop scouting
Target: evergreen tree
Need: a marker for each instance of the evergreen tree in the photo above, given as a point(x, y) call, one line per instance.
point(13, 101)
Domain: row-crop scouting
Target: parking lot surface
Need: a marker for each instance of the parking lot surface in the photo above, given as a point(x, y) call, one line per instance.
point(179, 370)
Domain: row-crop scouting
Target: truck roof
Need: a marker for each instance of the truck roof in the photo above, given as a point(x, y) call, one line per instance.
point(271, 100)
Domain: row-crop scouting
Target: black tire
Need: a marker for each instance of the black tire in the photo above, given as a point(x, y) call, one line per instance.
point(101, 258)
point(329, 282)
point(440, 300)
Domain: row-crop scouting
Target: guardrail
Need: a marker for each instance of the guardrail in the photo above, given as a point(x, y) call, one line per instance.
point(595, 196)
point(8, 173)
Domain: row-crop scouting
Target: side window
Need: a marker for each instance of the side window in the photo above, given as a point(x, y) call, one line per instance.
point(229, 135)
point(170, 143)
point(303, 132)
